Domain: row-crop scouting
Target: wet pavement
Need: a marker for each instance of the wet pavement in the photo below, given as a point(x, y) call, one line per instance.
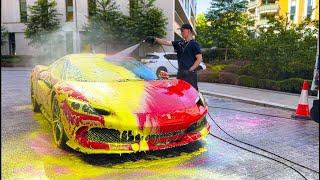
point(28, 151)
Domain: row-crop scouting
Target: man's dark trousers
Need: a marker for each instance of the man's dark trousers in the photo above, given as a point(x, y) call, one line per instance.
point(188, 76)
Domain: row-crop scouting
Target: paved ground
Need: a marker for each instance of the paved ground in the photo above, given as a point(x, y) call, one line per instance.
point(28, 151)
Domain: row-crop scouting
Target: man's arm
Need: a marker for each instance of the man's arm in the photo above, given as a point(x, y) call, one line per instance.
point(196, 64)
point(163, 42)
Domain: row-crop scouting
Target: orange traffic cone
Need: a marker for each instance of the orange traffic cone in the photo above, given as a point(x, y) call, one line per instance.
point(302, 111)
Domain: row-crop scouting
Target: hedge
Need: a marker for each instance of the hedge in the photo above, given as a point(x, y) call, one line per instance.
point(292, 85)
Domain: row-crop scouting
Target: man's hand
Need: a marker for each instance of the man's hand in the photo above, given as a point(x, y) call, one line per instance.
point(150, 39)
point(196, 64)
point(164, 75)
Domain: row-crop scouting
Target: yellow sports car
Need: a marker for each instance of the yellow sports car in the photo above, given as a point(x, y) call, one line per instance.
point(100, 104)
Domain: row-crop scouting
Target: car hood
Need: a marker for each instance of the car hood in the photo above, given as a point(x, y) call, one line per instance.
point(160, 96)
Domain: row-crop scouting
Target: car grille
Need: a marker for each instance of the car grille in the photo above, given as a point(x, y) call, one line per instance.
point(197, 125)
point(194, 127)
point(105, 135)
point(165, 135)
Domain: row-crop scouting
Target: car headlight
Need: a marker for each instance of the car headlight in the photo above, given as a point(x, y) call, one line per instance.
point(201, 100)
point(84, 107)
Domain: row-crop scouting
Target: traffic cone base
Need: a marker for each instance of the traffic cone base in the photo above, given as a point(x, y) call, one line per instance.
point(303, 111)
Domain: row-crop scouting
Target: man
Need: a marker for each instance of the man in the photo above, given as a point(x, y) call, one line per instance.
point(188, 52)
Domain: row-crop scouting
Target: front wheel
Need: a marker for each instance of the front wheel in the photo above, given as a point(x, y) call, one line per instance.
point(59, 134)
point(35, 105)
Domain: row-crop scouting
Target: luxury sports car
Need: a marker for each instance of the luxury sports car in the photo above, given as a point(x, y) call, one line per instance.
point(101, 104)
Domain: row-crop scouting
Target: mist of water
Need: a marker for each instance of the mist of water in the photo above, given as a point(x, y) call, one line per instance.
point(128, 51)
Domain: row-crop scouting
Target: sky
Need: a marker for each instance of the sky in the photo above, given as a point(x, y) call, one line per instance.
point(202, 6)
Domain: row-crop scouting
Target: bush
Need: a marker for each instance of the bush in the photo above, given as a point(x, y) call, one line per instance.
point(208, 76)
point(292, 85)
point(208, 56)
point(247, 81)
point(232, 68)
point(216, 67)
point(228, 78)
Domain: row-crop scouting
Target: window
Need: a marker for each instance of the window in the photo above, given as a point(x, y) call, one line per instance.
point(23, 10)
point(92, 7)
point(69, 42)
point(171, 56)
point(69, 10)
point(292, 9)
point(12, 44)
point(149, 56)
point(56, 68)
point(309, 8)
point(187, 7)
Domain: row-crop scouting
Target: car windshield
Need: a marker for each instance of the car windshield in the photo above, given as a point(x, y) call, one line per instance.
point(102, 70)
point(139, 69)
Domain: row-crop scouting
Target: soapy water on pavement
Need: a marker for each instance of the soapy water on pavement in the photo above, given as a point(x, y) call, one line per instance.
point(35, 156)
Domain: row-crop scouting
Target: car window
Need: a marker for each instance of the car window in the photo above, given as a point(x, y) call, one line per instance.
point(150, 56)
point(138, 68)
point(56, 68)
point(171, 56)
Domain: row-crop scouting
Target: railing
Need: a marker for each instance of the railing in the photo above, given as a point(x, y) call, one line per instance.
point(252, 4)
point(265, 8)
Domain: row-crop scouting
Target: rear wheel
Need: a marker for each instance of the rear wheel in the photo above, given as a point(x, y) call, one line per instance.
point(59, 134)
point(161, 69)
point(35, 105)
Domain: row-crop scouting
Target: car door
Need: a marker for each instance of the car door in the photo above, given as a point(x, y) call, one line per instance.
point(47, 79)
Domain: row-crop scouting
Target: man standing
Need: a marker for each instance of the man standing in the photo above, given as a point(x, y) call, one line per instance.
point(188, 52)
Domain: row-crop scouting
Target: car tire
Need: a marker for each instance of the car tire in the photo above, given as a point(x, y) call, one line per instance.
point(59, 134)
point(315, 111)
point(162, 68)
point(35, 105)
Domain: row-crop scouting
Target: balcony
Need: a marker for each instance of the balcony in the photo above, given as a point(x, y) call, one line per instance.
point(268, 8)
point(252, 4)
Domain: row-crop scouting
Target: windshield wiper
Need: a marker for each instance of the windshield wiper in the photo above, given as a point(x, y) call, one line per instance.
point(126, 80)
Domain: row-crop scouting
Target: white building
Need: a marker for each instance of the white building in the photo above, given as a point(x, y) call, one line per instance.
point(13, 14)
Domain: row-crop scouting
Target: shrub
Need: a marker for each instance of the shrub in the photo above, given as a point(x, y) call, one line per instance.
point(247, 81)
point(292, 85)
point(232, 68)
point(217, 67)
point(208, 76)
point(228, 78)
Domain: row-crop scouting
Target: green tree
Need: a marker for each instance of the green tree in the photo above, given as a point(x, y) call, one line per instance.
point(203, 31)
point(43, 20)
point(282, 50)
point(107, 24)
point(4, 35)
point(229, 24)
point(145, 20)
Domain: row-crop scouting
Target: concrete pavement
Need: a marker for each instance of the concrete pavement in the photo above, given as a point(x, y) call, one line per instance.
point(253, 95)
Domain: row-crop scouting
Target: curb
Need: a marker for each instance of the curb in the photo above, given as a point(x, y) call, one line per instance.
point(248, 100)
point(251, 88)
point(16, 68)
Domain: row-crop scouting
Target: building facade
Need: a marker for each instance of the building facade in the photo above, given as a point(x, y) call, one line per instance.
point(295, 10)
point(74, 17)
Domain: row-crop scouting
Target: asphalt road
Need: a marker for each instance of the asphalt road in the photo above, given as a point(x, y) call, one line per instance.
point(28, 151)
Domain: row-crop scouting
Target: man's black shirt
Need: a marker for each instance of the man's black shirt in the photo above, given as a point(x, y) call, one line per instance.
point(186, 53)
